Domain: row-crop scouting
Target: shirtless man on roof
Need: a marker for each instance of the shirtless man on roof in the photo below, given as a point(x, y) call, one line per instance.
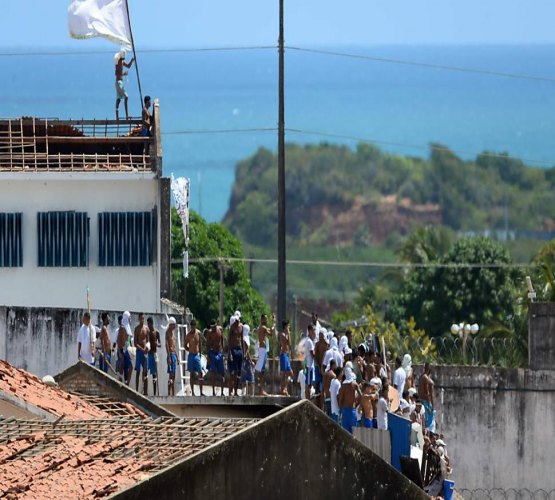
point(120, 89)
point(264, 334)
point(193, 347)
point(140, 338)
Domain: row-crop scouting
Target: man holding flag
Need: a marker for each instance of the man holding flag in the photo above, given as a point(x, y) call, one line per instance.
point(120, 89)
point(107, 19)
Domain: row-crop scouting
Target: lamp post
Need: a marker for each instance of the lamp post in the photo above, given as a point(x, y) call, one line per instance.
point(463, 330)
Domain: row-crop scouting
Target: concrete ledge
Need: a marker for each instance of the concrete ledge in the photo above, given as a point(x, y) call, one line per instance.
point(89, 380)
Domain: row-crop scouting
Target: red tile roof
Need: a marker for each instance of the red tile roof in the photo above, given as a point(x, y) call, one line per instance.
point(29, 388)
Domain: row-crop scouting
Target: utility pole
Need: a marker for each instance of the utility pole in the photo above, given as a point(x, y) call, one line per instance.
point(222, 269)
point(281, 291)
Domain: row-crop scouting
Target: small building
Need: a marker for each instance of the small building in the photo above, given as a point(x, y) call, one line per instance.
point(83, 204)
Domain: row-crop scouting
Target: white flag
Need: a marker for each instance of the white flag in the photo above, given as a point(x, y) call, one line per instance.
point(99, 18)
point(181, 188)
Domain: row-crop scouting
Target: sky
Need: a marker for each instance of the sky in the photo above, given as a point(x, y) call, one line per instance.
point(216, 23)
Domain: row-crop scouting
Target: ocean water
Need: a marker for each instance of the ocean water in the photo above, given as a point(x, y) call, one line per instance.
point(402, 107)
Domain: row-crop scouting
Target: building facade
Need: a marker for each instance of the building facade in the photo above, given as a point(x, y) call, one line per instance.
point(83, 205)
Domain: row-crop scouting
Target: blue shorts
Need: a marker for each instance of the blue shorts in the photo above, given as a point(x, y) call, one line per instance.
point(327, 407)
point(140, 361)
point(348, 419)
point(145, 132)
point(123, 362)
point(369, 423)
point(172, 365)
point(317, 377)
point(335, 417)
point(216, 361)
point(309, 377)
point(235, 361)
point(151, 364)
point(284, 363)
point(103, 364)
point(120, 90)
point(193, 363)
point(247, 374)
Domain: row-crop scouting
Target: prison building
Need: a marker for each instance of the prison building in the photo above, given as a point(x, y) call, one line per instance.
point(83, 204)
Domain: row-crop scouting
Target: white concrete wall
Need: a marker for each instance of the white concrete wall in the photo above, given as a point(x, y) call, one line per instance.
point(113, 288)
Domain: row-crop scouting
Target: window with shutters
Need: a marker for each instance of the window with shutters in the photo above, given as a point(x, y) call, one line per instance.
point(125, 238)
point(63, 239)
point(11, 248)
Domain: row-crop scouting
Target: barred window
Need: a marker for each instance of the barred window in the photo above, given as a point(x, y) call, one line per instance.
point(11, 248)
point(63, 239)
point(125, 238)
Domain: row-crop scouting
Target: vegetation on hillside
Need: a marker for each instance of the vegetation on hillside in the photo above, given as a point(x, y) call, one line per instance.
point(323, 180)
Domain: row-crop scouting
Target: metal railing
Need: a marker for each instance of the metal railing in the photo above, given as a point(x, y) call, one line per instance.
point(31, 144)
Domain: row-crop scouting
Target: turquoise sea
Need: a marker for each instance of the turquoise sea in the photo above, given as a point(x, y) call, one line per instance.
point(404, 106)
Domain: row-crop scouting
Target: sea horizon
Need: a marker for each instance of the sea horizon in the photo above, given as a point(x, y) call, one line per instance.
point(402, 102)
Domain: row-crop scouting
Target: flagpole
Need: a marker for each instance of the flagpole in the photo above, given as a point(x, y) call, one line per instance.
point(134, 53)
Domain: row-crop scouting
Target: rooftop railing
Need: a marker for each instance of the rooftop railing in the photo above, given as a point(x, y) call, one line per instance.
point(47, 144)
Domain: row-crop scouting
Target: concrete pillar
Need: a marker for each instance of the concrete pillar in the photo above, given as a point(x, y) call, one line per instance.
point(541, 336)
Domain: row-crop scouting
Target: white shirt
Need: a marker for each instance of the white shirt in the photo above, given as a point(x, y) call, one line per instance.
point(334, 391)
point(84, 336)
point(308, 353)
point(333, 354)
point(399, 378)
point(382, 414)
point(301, 379)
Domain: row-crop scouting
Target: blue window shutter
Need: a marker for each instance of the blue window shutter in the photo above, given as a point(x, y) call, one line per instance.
point(11, 246)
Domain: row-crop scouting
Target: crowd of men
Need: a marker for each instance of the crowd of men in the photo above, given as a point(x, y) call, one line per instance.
point(356, 386)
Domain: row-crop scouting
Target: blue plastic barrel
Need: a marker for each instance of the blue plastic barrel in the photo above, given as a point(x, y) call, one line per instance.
point(448, 489)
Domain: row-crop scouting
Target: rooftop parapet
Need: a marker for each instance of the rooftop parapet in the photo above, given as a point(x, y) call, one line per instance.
point(30, 144)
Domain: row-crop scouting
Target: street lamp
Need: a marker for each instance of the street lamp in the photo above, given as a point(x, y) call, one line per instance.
point(463, 330)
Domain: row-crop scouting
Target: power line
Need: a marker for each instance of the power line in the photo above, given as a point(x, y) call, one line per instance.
point(357, 139)
point(387, 60)
point(424, 65)
point(414, 146)
point(336, 263)
point(56, 53)
point(220, 131)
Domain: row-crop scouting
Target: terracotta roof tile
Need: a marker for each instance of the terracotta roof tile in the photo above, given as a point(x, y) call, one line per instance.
point(55, 401)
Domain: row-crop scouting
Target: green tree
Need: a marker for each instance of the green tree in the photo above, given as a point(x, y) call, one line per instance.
point(203, 290)
point(438, 296)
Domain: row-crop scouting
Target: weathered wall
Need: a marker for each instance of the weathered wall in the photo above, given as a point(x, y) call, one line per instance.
point(296, 453)
point(44, 341)
point(499, 425)
point(541, 336)
point(136, 288)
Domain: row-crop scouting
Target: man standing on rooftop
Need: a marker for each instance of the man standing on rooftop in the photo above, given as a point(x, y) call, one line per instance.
point(105, 354)
point(193, 347)
point(152, 356)
point(140, 338)
point(215, 343)
point(119, 59)
point(426, 395)
point(171, 355)
point(85, 340)
point(264, 334)
point(235, 354)
point(284, 362)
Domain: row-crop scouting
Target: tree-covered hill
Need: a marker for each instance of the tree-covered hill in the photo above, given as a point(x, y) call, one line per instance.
point(339, 196)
